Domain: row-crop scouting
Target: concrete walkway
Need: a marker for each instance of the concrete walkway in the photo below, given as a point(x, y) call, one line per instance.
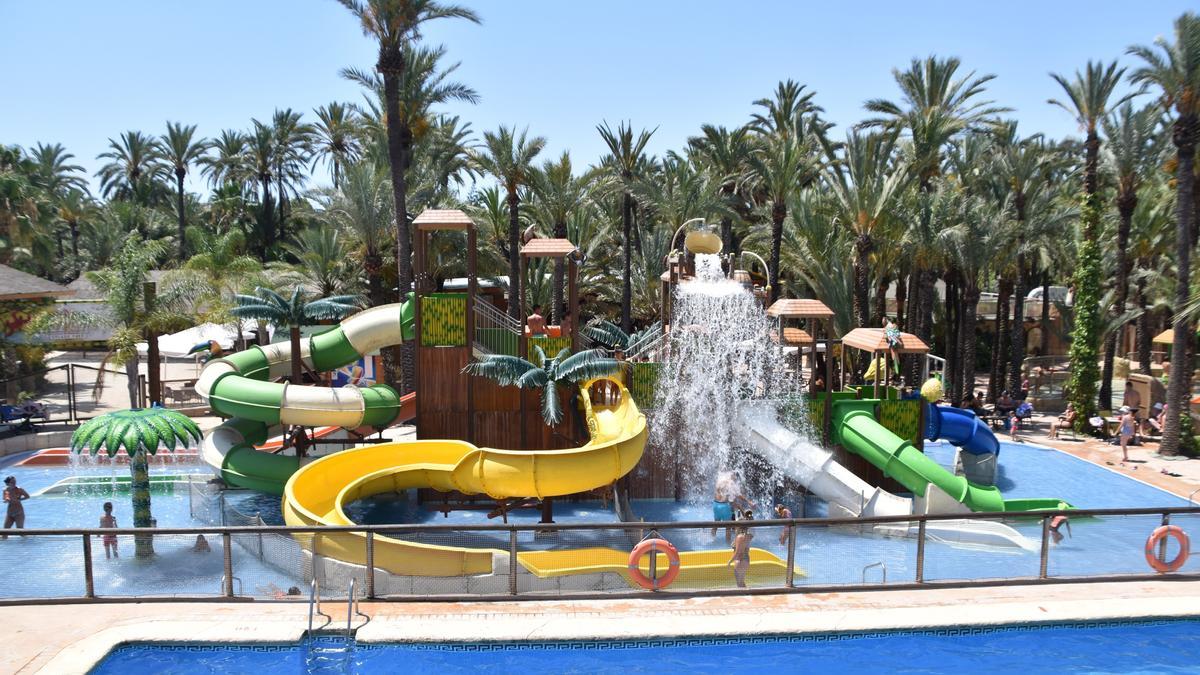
point(71, 639)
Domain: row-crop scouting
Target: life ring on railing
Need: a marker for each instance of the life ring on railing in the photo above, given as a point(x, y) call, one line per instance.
point(654, 547)
point(1158, 536)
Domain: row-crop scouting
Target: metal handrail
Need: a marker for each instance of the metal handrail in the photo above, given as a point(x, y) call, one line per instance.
point(646, 345)
point(668, 525)
point(880, 564)
point(314, 604)
point(352, 609)
point(239, 583)
point(489, 312)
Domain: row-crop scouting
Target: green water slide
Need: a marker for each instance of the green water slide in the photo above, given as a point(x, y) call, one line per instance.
point(857, 430)
point(242, 387)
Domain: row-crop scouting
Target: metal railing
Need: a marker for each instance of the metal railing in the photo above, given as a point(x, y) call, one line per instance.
point(648, 348)
point(516, 561)
point(495, 331)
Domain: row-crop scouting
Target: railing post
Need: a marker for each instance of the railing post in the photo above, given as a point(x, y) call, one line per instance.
point(790, 574)
point(370, 565)
point(1045, 556)
point(512, 561)
point(227, 546)
point(1162, 543)
point(89, 583)
point(921, 552)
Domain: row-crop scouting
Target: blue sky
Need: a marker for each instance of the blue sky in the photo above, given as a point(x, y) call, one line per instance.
point(79, 72)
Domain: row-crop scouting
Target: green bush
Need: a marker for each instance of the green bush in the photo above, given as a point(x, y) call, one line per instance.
point(1085, 338)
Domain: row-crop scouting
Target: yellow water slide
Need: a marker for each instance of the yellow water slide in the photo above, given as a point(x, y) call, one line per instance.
point(318, 493)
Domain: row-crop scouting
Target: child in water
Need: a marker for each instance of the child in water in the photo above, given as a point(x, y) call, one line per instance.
point(109, 521)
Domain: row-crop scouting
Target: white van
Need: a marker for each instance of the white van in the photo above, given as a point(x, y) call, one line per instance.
point(1057, 294)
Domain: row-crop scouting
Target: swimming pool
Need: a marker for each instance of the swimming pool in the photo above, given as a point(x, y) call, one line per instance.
point(1111, 647)
point(826, 555)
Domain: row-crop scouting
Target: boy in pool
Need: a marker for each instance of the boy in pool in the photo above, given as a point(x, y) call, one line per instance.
point(782, 512)
point(109, 521)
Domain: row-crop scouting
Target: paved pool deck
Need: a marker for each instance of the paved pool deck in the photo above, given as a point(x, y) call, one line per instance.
point(64, 639)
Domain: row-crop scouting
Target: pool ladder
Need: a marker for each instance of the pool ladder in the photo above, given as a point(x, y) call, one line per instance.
point(314, 606)
point(882, 565)
point(352, 611)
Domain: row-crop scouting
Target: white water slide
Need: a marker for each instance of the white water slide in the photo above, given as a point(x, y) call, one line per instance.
point(848, 495)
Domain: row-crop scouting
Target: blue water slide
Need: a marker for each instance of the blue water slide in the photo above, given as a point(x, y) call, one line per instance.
point(961, 428)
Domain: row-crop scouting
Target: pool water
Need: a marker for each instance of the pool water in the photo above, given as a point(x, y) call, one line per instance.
point(1112, 647)
point(826, 555)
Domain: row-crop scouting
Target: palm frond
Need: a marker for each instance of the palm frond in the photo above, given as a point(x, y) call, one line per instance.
point(502, 369)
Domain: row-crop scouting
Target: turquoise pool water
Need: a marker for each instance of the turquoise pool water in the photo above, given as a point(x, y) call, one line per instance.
point(1114, 647)
point(828, 556)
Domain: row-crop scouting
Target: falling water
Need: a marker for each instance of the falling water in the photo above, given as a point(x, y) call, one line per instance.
point(720, 353)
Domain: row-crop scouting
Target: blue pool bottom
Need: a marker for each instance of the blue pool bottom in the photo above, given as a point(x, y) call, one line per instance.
point(1112, 647)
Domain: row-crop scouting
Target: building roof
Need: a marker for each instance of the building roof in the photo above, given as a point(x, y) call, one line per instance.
point(794, 308)
point(18, 285)
point(1167, 337)
point(873, 340)
point(84, 289)
point(548, 248)
point(443, 219)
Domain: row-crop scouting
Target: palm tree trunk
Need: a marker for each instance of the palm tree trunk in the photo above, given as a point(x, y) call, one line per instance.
point(627, 260)
point(1017, 343)
point(901, 297)
point(131, 383)
point(282, 198)
point(74, 225)
point(391, 67)
point(862, 252)
point(727, 235)
point(999, 353)
point(268, 215)
point(1126, 203)
point(179, 174)
point(778, 214)
point(139, 494)
point(560, 275)
point(953, 360)
point(881, 287)
point(514, 255)
point(1179, 385)
point(297, 364)
point(1044, 346)
point(1143, 329)
point(966, 335)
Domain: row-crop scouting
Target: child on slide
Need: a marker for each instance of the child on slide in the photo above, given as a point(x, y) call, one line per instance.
point(892, 334)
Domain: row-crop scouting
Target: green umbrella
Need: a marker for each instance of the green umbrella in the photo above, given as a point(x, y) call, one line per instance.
point(139, 431)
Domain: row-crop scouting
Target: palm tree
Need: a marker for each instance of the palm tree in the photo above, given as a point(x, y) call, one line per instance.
point(324, 261)
point(219, 260)
point(1131, 151)
point(74, 208)
point(133, 170)
point(786, 112)
point(226, 161)
point(290, 158)
point(724, 153)
point(139, 431)
point(361, 205)
point(560, 193)
point(867, 184)
point(1150, 235)
point(627, 153)
point(291, 313)
point(260, 164)
point(54, 172)
point(1089, 98)
point(936, 106)
point(610, 336)
point(509, 157)
point(565, 369)
point(394, 24)
point(335, 138)
point(1174, 69)
point(179, 148)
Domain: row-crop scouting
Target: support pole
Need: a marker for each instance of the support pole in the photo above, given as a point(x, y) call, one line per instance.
point(370, 560)
point(89, 583)
point(472, 290)
point(227, 552)
point(512, 561)
point(790, 574)
point(1044, 562)
point(921, 552)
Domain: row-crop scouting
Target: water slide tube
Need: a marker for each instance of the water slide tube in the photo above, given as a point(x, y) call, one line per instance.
point(856, 429)
point(241, 387)
point(815, 468)
point(961, 428)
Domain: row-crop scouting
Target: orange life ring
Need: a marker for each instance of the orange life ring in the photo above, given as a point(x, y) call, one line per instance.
point(1152, 544)
point(654, 547)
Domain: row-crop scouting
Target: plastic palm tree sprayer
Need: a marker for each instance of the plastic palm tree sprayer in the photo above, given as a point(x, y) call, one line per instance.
point(139, 431)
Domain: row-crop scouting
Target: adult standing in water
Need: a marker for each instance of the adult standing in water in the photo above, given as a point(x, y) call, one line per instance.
point(13, 496)
point(726, 498)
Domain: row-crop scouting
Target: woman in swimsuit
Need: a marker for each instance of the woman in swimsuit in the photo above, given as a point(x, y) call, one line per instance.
point(1127, 425)
point(13, 496)
point(108, 520)
point(741, 551)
